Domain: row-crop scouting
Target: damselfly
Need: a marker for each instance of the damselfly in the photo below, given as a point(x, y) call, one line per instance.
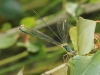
point(61, 27)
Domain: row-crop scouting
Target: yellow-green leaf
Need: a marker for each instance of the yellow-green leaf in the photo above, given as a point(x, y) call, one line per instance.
point(73, 36)
point(86, 29)
point(28, 21)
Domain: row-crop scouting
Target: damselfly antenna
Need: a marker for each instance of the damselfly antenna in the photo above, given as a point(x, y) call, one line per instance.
point(47, 25)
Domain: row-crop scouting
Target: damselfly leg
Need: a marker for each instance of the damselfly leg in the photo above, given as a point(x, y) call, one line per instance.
point(69, 55)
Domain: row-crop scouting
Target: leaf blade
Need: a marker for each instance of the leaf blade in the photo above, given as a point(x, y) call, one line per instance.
point(86, 30)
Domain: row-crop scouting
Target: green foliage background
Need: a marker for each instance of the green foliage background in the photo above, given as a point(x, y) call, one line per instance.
point(18, 49)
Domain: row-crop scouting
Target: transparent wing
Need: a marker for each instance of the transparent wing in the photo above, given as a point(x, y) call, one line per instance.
point(62, 28)
point(38, 34)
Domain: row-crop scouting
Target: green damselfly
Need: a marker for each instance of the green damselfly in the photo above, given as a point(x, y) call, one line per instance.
point(61, 27)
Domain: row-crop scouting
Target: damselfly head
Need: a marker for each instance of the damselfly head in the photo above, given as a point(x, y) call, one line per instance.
point(24, 29)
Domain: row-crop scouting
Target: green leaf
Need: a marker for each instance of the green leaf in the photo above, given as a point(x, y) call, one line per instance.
point(74, 9)
point(7, 41)
point(86, 29)
point(79, 11)
point(71, 8)
point(28, 21)
point(6, 26)
point(30, 47)
point(73, 35)
point(85, 65)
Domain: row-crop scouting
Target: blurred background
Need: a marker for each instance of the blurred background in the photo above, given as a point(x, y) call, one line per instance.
point(18, 49)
